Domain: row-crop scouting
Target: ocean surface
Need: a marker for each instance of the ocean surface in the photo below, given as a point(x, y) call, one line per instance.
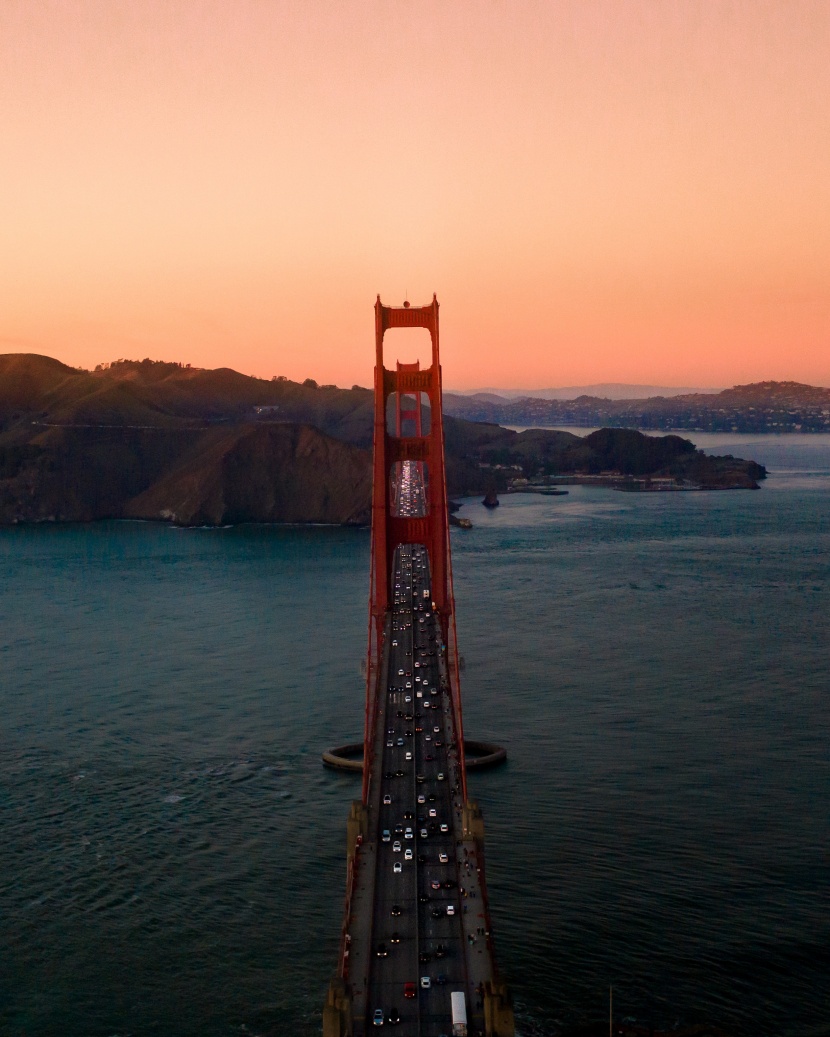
point(172, 851)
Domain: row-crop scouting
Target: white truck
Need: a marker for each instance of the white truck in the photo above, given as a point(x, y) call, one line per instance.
point(459, 1013)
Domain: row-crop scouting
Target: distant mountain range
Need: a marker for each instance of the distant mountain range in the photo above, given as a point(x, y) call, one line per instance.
point(604, 390)
point(759, 407)
point(151, 440)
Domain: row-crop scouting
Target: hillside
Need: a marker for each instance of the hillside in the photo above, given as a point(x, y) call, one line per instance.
point(161, 441)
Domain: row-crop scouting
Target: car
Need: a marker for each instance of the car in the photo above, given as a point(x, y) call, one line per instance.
point(424, 833)
point(450, 909)
point(424, 957)
point(381, 952)
point(428, 738)
point(389, 743)
point(400, 673)
point(440, 979)
point(440, 951)
point(437, 912)
point(399, 774)
point(420, 778)
point(431, 797)
point(443, 858)
point(409, 686)
point(377, 1018)
point(397, 867)
point(435, 730)
point(429, 757)
point(407, 698)
point(433, 812)
point(422, 858)
point(387, 800)
point(394, 1016)
point(422, 798)
point(386, 836)
point(425, 982)
point(394, 644)
point(396, 910)
point(395, 938)
point(409, 990)
point(440, 776)
point(435, 884)
point(396, 846)
point(408, 833)
point(407, 853)
point(449, 884)
point(408, 755)
point(424, 897)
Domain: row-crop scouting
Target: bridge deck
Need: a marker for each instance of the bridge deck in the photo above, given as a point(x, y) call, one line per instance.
point(400, 913)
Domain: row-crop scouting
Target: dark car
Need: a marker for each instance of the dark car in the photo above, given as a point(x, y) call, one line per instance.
point(381, 952)
point(396, 910)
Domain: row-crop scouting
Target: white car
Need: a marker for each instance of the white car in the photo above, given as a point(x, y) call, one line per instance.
point(397, 867)
point(407, 856)
point(450, 909)
point(396, 846)
point(426, 983)
point(387, 800)
point(443, 858)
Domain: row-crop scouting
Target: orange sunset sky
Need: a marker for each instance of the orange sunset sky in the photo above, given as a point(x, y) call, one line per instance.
point(597, 190)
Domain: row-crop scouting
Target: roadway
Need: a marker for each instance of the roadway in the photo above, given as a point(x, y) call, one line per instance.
point(417, 951)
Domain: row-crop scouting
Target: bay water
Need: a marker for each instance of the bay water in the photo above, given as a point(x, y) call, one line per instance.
point(172, 853)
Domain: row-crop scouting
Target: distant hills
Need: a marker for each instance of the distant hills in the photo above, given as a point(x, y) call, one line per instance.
point(759, 407)
point(604, 390)
point(144, 439)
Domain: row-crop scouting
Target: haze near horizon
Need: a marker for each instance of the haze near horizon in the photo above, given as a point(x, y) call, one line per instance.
point(596, 192)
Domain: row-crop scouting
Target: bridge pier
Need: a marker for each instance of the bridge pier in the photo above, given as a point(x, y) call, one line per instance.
point(337, 1011)
point(498, 1011)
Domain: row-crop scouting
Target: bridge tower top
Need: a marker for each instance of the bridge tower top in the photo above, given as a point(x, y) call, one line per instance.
point(432, 529)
